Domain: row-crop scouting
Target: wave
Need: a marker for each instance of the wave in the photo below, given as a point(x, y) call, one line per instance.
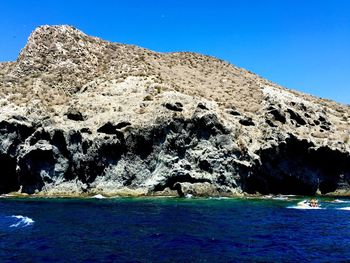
point(22, 221)
point(274, 197)
point(340, 201)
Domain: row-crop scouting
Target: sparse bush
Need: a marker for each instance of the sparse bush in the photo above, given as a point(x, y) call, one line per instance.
point(238, 132)
point(141, 110)
point(148, 98)
point(347, 139)
point(242, 146)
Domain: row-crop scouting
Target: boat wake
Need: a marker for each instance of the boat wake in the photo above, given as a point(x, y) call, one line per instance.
point(344, 208)
point(304, 207)
point(305, 204)
point(21, 221)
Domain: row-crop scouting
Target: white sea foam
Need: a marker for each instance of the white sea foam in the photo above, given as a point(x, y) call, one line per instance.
point(267, 197)
point(98, 196)
point(340, 201)
point(304, 207)
point(22, 221)
point(344, 208)
point(218, 197)
point(6, 196)
point(282, 198)
point(188, 196)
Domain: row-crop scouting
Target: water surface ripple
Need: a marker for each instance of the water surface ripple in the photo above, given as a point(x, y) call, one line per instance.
point(171, 230)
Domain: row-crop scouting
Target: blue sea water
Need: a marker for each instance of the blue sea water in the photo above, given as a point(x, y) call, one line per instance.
point(172, 230)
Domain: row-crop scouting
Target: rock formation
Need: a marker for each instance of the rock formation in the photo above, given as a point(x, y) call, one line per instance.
point(80, 115)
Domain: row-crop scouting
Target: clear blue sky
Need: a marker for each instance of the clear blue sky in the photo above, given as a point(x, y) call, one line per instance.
point(300, 44)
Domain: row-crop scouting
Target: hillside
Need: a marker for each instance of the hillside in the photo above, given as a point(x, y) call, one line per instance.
point(80, 115)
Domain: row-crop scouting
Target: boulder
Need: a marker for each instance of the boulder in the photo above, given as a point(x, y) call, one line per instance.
point(74, 115)
point(177, 106)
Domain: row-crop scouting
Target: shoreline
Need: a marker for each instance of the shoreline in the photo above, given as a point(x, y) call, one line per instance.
point(280, 197)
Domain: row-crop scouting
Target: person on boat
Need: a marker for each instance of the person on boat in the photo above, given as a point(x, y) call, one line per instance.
point(313, 203)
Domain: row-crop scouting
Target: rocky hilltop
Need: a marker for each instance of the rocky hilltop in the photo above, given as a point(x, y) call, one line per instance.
point(80, 115)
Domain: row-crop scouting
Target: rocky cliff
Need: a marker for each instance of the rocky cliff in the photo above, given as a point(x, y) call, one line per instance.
point(80, 115)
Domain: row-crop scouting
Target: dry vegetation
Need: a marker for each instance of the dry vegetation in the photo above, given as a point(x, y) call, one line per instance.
point(65, 60)
point(60, 66)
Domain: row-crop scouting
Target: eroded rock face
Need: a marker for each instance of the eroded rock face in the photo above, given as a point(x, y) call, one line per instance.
point(107, 118)
point(298, 167)
point(8, 177)
point(13, 133)
point(196, 156)
point(110, 128)
point(40, 164)
point(175, 151)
